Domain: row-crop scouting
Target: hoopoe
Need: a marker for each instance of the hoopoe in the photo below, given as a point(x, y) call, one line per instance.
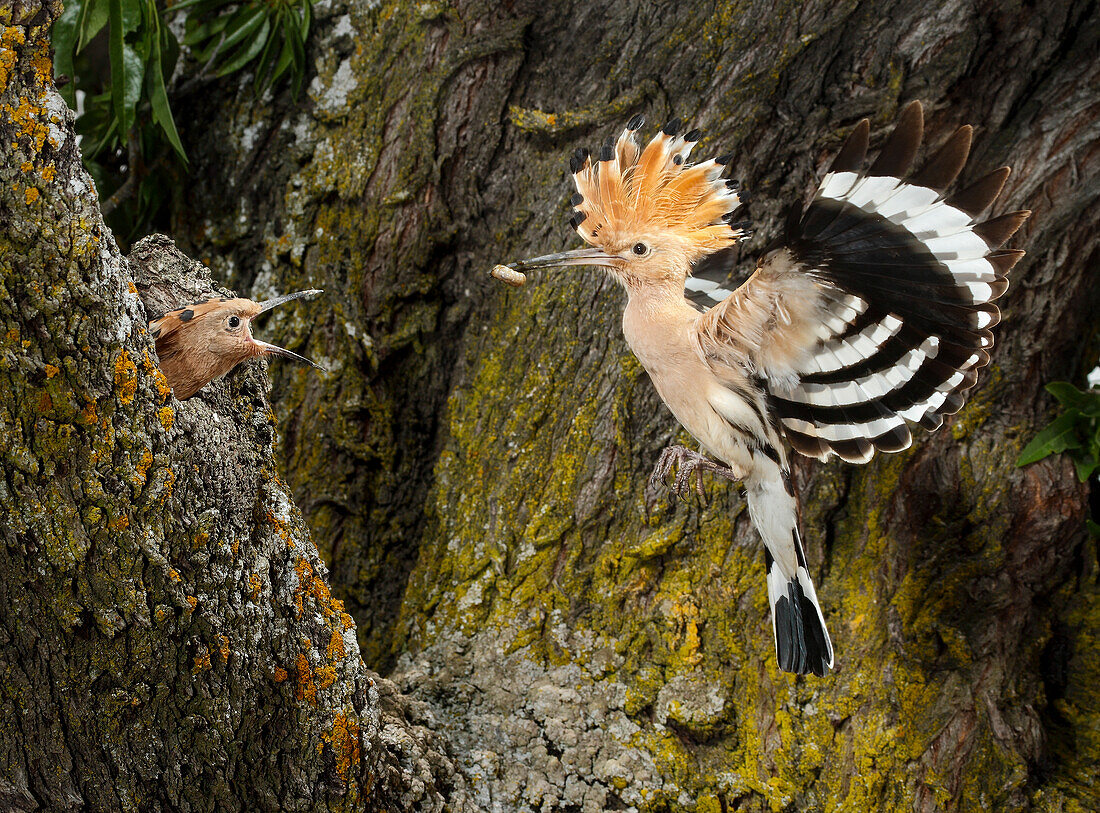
point(205, 340)
point(873, 311)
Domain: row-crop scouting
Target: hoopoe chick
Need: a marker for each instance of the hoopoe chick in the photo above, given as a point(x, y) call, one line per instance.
point(873, 311)
point(205, 340)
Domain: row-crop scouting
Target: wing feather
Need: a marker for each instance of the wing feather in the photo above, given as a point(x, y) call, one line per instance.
point(877, 311)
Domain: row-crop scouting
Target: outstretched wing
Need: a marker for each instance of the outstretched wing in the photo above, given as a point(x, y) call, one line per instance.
point(903, 279)
point(713, 278)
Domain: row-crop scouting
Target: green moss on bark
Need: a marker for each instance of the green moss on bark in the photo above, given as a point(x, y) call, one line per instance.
point(491, 446)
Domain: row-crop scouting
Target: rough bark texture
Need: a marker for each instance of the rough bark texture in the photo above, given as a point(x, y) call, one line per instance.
point(473, 464)
point(167, 638)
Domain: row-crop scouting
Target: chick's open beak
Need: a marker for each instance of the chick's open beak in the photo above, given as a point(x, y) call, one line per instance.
point(280, 300)
point(275, 350)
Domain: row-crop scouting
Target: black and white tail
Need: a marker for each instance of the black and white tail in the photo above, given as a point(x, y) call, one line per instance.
point(910, 280)
point(802, 642)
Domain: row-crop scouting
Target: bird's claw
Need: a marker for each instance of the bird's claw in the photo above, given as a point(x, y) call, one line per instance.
point(689, 466)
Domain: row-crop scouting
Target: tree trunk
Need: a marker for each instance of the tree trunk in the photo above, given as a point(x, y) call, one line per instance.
point(473, 465)
point(167, 637)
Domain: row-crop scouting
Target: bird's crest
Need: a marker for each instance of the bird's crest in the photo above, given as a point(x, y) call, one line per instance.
point(630, 190)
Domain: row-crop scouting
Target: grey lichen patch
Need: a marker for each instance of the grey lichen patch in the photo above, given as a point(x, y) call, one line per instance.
point(581, 750)
point(334, 98)
point(693, 704)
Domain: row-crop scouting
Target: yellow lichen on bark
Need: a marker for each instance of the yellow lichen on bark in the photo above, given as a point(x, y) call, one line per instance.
point(10, 38)
point(307, 688)
point(343, 738)
point(202, 661)
point(125, 377)
point(335, 648)
point(29, 115)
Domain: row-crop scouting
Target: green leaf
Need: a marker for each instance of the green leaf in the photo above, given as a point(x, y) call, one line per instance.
point(93, 16)
point(264, 66)
point(236, 33)
point(298, 61)
point(186, 4)
point(1094, 528)
point(1069, 396)
point(206, 30)
point(286, 57)
point(307, 18)
point(126, 76)
point(1058, 436)
point(1090, 403)
point(131, 16)
point(158, 99)
point(1085, 467)
point(248, 53)
point(63, 35)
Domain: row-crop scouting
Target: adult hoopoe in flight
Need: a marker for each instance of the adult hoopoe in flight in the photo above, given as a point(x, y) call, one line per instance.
point(205, 340)
point(873, 311)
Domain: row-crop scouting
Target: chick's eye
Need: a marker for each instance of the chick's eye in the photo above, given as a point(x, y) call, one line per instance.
point(640, 249)
point(234, 322)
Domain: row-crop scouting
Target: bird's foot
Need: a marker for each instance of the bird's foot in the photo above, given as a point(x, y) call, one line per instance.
point(689, 467)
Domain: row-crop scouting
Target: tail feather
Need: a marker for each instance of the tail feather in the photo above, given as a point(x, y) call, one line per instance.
point(802, 642)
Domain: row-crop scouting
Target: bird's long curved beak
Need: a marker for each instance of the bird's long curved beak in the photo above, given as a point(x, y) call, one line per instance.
point(280, 300)
point(580, 256)
point(275, 350)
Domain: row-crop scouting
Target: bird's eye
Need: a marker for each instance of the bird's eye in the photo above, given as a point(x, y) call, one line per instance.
point(640, 249)
point(234, 322)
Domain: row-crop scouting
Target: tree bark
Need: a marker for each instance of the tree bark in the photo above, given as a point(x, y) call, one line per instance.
point(168, 640)
point(474, 468)
point(473, 464)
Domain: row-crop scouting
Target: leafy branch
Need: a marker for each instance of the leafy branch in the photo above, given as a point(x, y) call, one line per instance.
point(1076, 432)
point(225, 41)
point(130, 141)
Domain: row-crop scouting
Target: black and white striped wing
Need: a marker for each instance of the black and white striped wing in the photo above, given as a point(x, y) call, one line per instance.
point(714, 278)
point(909, 278)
